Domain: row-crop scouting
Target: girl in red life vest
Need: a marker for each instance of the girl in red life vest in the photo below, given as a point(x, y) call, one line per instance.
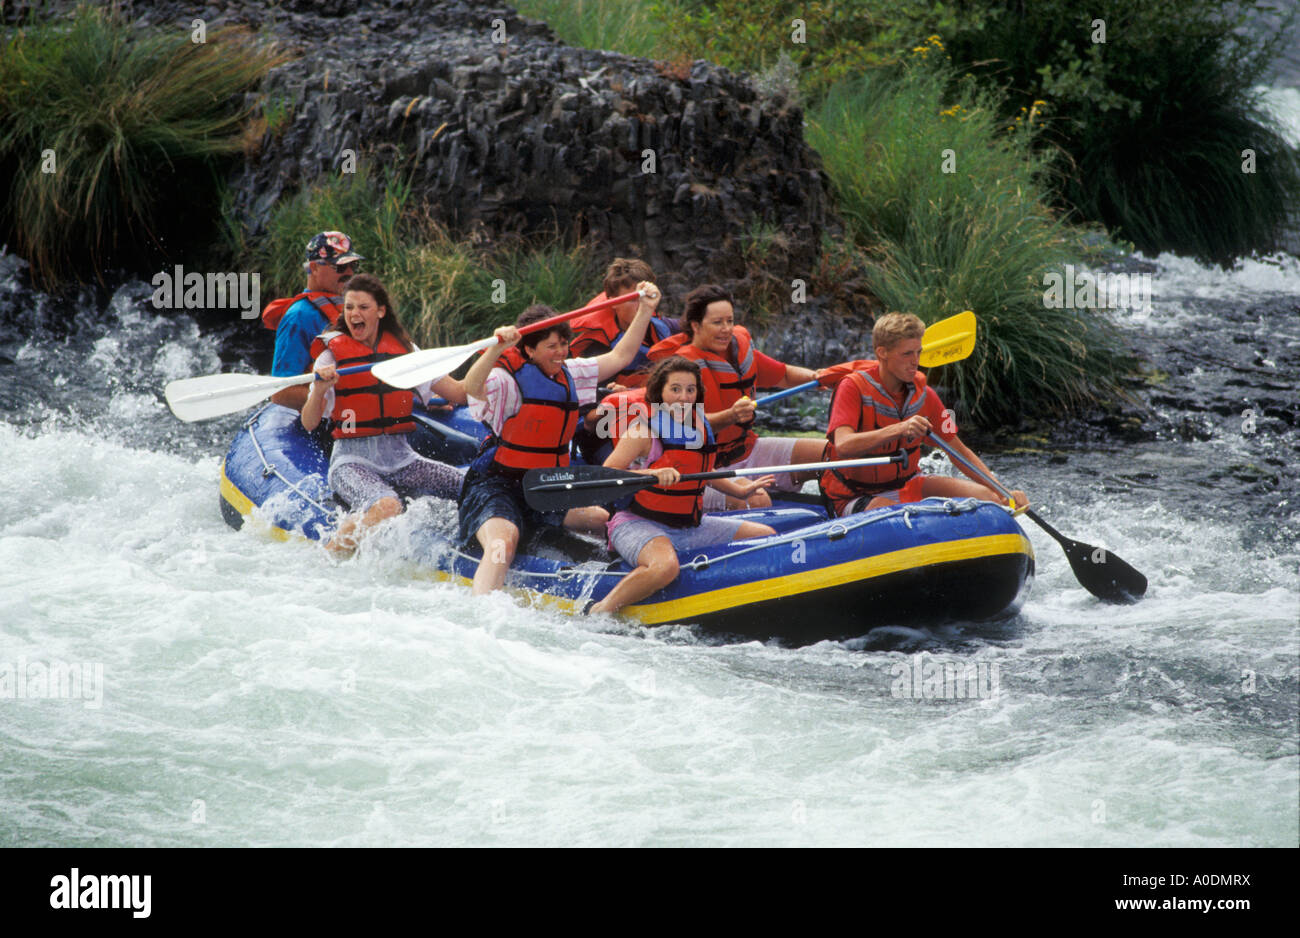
point(372, 457)
point(883, 407)
point(732, 369)
point(668, 516)
point(528, 395)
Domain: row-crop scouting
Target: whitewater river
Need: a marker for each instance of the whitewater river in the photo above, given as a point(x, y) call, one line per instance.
point(240, 690)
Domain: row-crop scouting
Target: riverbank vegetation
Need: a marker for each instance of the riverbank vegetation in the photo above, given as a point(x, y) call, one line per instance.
point(1134, 116)
point(967, 145)
point(1155, 124)
point(447, 289)
point(113, 139)
point(946, 200)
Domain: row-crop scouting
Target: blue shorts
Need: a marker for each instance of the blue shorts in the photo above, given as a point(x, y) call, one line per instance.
point(630, 533)
point(485, 496)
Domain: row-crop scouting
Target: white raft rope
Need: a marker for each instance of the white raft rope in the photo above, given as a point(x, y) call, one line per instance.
point(269, 469)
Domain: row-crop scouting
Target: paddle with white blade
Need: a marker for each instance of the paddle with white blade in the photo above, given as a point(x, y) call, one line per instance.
point(406, 371)
point(566, 487)
point(211, 396)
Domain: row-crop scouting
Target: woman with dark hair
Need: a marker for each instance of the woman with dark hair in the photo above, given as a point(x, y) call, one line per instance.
point(372, 457)
point(527, 391)
point(732, 369)
point(672, 441)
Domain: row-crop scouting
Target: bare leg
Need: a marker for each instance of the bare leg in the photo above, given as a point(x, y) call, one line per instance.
point(354, 527)
point(656, 567)
point(591, 519)
point(750, 529)
point(945, 487)
point(949, 487)
point(807, 449)
point(500, 539)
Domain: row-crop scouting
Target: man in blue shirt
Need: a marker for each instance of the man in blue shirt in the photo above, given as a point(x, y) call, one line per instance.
point(330, 263)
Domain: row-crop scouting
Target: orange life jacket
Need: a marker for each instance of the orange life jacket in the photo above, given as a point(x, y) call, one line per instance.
point(329, 304)
point(622, 407)
point(364, 406)
point(879, 409)
point(538, 436)
point(601, 329)
point(724, 379)
point(687, 450)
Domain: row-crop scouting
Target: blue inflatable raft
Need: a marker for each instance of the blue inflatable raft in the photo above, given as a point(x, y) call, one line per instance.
point(816, 578)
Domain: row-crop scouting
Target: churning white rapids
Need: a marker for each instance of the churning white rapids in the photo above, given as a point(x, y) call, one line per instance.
point(237, 690)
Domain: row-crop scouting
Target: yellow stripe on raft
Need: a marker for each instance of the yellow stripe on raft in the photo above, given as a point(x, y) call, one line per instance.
point(244, 505)
point(792, 584)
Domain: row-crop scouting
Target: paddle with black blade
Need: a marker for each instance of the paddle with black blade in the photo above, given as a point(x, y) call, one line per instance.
point(577, 486)
point(1098, 571)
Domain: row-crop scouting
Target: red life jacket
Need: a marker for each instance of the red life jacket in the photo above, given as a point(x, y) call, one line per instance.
point(724, 379)
point(364, 406)
point(329, 304)
point(879, 409)
point(686, 450)
point(600, 330)
point(538, 436)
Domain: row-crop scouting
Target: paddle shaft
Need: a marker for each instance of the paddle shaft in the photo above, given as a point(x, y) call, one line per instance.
point(1113, 579)
point(406, 371)
point(635, 480)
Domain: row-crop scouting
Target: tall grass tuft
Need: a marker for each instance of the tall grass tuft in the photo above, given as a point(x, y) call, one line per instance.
point(111, 138)
point(978, 237)
point(447, 289)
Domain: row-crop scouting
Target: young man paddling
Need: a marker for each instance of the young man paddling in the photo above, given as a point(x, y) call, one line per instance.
point(528, 395)
point(597, 333)
point(883, 407)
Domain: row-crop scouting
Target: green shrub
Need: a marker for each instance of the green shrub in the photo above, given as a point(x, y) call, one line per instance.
point(827, 40)
point(136, 126)
point(1154, 121)
point(977, 238)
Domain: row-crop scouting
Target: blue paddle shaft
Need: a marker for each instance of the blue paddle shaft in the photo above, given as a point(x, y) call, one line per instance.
point(788, 392)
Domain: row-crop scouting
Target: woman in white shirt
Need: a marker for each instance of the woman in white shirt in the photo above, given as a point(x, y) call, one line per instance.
point(528, 395)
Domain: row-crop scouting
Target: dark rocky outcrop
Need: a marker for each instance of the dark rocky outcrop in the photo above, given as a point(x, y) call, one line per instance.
point(511, 131)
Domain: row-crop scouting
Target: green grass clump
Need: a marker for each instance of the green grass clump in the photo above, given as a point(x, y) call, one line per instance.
point(977, 238)
point(446, 289)
point(1151, 124)
point(632, 27)
point(112, 139)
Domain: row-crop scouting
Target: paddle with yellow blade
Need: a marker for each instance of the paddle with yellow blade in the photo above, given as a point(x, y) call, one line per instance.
point(210, 396)
point(949, 340)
